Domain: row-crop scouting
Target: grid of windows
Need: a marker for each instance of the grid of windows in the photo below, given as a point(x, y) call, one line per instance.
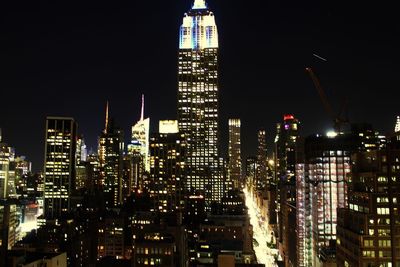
point(198, 102)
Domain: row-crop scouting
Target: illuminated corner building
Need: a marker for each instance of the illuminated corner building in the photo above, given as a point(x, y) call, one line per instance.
point(261, 171)
point(234, 153)
point(285, 153)
point(369, 226)
point(198, 100)
point(167, 167)
point(59, 165)
point(111, 147)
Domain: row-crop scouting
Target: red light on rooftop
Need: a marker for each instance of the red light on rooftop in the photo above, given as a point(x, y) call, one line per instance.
point(288, 117)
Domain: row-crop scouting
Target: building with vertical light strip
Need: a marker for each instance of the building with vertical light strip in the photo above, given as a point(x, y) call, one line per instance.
point(234, 153)
point(59, 165)
point(198, 100)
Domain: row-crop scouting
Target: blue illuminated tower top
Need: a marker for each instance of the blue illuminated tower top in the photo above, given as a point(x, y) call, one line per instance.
point(198, 30)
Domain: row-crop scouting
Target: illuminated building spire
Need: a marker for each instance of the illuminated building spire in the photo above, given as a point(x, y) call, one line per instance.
point(397, 127)
point(199, 4)
point(106, 124)
point(142, 111)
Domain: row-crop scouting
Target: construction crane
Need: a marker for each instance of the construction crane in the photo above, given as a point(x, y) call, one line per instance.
point(340, 118)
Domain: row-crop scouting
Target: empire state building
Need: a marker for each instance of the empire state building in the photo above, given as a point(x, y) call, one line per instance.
point(198, 100)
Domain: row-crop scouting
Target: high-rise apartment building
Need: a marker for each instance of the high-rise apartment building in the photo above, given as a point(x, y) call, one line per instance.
point(368, 232)
point(59, 165)
point(234, 154)
point(198, 100)
point(167, 167)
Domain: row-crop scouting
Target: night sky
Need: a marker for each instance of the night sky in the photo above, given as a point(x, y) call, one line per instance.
point(67, 58)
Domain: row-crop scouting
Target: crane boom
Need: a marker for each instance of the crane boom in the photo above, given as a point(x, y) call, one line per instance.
point(322, 95)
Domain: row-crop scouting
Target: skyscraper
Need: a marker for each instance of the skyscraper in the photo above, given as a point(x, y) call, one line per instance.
point(111, 147)
point(167, 152)
point(234, 153)
point(139, 145)
point(285, 151)
point(397, 127)
point(198, 100)
point(59, 165)
point(261, 172)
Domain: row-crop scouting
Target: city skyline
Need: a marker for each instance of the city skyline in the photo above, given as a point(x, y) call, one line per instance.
point(272, 75)
point(293, 92)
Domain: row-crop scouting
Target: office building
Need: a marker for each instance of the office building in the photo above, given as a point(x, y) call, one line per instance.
point(59, 166)
point(111, 148)
point(167, 167)
point(139, 146)
point(198, 100)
